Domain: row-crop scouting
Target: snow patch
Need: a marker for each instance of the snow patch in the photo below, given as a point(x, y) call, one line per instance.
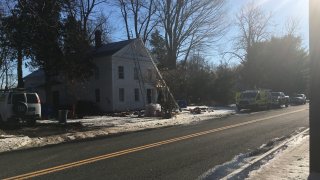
point(221, 171)
point(291, 163)
point(13, 142)
point(243, 160)
point(96, 126)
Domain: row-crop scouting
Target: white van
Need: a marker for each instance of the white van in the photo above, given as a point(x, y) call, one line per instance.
point(17, 106)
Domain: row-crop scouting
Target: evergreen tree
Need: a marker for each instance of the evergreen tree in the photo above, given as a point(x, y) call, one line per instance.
point(45, 37)
point(76, 64)
point(224, 84)
point(158, 49)
point(17, 30)
point(279, 64)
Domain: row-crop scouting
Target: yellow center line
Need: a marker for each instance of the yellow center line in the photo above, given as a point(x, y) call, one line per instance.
point(139, 148)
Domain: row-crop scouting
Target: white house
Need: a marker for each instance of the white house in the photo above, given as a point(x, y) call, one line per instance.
point(124, 79)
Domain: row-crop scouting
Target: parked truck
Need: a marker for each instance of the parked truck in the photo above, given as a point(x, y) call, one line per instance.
point(279, 99)
point(17, 105)
point(253, 100)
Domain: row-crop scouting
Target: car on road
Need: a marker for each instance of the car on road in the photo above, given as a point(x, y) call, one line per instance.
point(279, 99)
point(298, 99)
point(17, 106)
point(253, 99)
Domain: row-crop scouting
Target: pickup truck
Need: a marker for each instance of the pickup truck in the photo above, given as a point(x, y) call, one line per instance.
point(279, 99)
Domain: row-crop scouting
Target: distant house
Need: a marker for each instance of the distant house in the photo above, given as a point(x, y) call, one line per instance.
point(124, 79)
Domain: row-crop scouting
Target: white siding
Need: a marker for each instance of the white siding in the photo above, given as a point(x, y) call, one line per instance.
point(108, 82)
point(86, 91)
point(130, 57)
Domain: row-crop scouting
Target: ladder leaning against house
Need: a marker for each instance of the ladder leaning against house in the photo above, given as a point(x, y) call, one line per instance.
point(161, 82)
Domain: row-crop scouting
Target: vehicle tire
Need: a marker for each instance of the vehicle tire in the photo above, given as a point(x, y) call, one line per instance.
point(31, 122)
point(287, 105)
point(20, 108)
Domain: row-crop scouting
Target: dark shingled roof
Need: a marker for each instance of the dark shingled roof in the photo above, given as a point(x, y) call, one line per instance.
point(105, 50)
point(37, 73)
point(111, 48)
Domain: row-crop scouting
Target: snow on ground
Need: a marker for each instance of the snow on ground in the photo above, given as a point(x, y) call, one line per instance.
point(133, 123)
point(101, 126)
point(291, 163)
point(251, 162)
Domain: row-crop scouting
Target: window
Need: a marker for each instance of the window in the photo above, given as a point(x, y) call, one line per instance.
point(18, 98)
point(121, 94)
point(135, 73)
point(97, 94)
point(121, 72)
point(96, 73)
point(32, 98)
point(136, 94)
point(248, 95)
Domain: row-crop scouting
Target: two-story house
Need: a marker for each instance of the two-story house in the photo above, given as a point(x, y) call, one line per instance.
point(124, 79)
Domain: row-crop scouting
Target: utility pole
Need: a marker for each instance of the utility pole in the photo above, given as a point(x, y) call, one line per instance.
point(314, 115)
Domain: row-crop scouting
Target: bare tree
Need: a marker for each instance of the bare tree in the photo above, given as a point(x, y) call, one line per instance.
point(13, 39)
point(139, 17)
point(7, 5)
point(292, 26)
point(7, 66)
point(8, 78)
point(190, 24)
point(101, 23)
point(90, 18)
point(253, 24)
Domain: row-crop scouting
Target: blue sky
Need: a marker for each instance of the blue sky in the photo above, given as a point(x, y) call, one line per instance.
point(282, 10)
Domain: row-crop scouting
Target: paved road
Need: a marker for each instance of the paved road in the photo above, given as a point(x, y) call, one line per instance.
point(181, 152)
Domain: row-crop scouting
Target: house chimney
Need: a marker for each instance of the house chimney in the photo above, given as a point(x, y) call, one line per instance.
point(98, 42)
